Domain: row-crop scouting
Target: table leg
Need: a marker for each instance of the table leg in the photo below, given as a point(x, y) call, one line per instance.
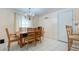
point(20, 42)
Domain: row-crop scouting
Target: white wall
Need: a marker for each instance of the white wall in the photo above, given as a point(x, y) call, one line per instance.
point(35, 21)
point(6, 21)
point(50, 25)
point(77, 17)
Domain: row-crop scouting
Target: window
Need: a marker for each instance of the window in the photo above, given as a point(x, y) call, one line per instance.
point(25, 22)
point(22, 21)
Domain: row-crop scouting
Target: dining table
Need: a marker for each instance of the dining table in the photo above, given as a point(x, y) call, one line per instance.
point(22, 35)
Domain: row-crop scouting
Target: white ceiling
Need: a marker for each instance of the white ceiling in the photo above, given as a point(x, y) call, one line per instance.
point(38, 11)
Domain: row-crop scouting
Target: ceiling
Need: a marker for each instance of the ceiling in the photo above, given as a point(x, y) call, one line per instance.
point(37, 11)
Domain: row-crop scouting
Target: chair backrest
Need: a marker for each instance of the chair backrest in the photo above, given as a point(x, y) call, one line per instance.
point(69, 30)
point(30, 29)
point(42, 30)
point(38, 32)
point(39, 27)
point(7, 32)
point(31, 35)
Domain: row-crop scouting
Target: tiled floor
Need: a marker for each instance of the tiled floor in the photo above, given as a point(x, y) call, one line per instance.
point(46, 45)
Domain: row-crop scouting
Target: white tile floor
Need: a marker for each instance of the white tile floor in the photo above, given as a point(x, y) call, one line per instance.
point(46, 45)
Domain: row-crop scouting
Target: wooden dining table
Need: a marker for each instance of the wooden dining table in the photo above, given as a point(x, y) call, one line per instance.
point(21, 40)
point(22, 35)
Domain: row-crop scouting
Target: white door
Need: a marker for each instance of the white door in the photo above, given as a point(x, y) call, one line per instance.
point(64, 18)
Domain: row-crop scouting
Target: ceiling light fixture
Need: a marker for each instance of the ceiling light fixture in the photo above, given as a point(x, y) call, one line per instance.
point(30, 13)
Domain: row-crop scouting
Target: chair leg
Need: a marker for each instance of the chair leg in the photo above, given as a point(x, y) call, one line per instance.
point(70, 42)
point(8, 46)
point(27, 45)
point(40, 40)
point(18, 42)
point(34, 42)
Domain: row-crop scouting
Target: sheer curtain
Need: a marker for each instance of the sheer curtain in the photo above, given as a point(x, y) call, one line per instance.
point(22, 21)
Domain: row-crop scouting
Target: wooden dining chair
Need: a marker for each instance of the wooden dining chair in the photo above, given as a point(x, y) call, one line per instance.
point(42, 32)
point(30, 29)
point(71, 37)
point(11, 38)
point(38, 34)
point(30, 36)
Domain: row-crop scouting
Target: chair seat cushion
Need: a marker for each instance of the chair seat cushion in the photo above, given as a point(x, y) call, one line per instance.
point(75, 37)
